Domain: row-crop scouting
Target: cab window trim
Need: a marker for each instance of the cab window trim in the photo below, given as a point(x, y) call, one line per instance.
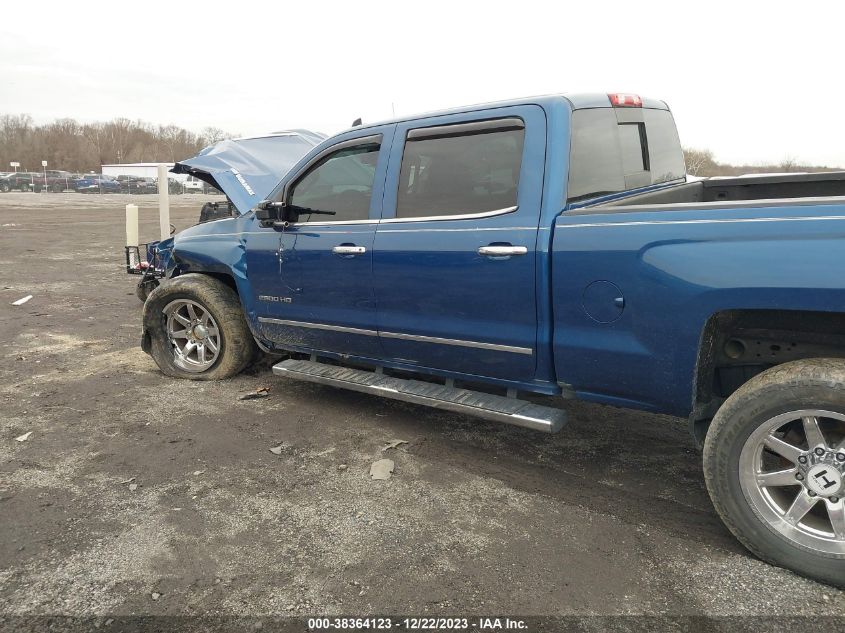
point(337, 147)
point(463, 128)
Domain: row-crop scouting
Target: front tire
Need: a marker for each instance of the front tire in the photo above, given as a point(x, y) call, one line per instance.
point(197, 329)
point(774, 463)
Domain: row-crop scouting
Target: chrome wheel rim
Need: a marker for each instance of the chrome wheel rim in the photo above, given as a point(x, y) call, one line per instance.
point(193, 334)
point(792, 472)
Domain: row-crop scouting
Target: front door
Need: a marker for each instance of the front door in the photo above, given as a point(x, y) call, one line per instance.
point(454, 264)
point(324, 295)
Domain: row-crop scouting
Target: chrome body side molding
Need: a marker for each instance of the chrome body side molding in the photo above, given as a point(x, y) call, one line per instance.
point(496, 347)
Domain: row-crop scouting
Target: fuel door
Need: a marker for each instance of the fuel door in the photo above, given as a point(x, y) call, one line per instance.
point(603, 301)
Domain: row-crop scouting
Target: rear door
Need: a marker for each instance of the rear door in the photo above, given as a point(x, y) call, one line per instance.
point(454, 262)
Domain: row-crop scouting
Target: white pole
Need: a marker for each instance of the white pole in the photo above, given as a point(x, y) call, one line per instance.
point(163, 202)
point(132, 225)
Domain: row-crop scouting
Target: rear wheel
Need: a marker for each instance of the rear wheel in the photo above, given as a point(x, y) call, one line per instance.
point(197, 329)
point(4, 187)
point(774, 462)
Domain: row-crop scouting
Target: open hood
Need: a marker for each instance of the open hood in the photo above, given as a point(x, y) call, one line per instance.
point(248, 169)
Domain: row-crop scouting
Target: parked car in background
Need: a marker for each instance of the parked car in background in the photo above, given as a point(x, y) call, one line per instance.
point(194, 185)
point(55, 180)
point(20, 181)
point(136, 184)
point(97, 183)
point(174, 186)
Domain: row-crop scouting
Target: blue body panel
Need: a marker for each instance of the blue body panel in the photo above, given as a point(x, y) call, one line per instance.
point(675, 269)
point(609, 303)
point(430, 281)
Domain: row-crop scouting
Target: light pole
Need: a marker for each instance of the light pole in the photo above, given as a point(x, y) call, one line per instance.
point(44, 165)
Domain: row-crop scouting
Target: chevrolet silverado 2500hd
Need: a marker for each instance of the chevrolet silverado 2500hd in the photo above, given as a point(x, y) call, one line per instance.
point(549, 246)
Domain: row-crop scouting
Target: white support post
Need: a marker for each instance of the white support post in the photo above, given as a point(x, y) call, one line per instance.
point(132, 225)
point(163, 202)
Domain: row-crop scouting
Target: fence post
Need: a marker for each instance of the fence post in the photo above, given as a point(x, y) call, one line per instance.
point(132, 225)
point(163, 202)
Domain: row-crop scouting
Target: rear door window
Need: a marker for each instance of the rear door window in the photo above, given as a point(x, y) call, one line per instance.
point(461, 169)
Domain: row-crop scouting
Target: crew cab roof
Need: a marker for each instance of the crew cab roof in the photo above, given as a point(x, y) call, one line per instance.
point(577, 101)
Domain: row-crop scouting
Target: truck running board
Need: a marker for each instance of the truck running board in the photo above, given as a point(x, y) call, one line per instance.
point(476, 403)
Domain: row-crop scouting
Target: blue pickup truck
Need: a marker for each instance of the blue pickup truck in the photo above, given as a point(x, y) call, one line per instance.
point(550, 246)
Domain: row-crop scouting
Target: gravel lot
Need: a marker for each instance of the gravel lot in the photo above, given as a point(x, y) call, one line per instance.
point(139, 494)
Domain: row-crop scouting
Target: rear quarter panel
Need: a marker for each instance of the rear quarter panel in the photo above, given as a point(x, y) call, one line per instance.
point(676, 268)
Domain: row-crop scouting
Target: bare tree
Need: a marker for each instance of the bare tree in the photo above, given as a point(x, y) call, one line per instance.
point(212, 135)
point(67, 144)
point(789, 163)
point(699, 162)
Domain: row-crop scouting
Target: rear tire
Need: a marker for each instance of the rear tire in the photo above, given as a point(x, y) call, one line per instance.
point(202, 310)
point(788, 422)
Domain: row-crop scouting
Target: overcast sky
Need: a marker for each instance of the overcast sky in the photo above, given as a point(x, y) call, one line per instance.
point(752, 81)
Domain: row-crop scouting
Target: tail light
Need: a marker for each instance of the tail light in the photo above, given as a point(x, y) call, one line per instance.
point(619, 100)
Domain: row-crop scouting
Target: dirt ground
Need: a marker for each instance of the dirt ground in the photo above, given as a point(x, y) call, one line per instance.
point(139, 494)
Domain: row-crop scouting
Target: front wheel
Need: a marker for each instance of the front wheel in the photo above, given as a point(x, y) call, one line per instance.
point(197, 329)
point(774, 463)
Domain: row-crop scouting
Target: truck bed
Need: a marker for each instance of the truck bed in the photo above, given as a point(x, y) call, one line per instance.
point(649, 272)
point(787, 188)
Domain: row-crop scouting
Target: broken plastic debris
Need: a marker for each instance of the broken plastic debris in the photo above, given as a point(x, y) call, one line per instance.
point(127, 481)
point(393, 444)
point(22, 301)
point(261, 392)
point(24, 437)
point(155, 595)
point(277, 450)
point(197, 473)
point(381, 469)
point(133, 487)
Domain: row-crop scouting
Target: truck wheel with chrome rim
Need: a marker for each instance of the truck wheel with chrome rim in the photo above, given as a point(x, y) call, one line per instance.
point(197, 329)
point(774, 462)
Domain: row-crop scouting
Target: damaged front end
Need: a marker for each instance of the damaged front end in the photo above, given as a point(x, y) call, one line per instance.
point(246, 170)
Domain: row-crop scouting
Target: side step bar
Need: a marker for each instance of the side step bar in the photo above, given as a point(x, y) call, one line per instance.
point(476, 403)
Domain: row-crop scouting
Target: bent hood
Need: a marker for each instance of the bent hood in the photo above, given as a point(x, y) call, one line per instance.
point(248, 169)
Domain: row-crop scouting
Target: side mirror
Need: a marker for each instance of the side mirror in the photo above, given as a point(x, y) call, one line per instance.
point(268, 210)
point(265, 215)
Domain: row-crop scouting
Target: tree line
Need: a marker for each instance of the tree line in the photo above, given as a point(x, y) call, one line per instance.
point(700, 162)
point(82, 147)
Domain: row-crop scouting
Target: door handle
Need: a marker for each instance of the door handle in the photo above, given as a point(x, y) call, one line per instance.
point(502, 251)
point(345, 249)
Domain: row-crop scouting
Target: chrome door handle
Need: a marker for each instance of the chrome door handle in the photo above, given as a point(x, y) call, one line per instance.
point(349, 250)
point(502, 251)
